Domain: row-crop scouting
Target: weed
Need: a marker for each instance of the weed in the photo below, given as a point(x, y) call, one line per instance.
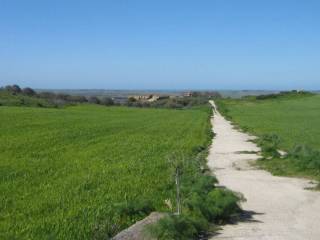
point(269, 144)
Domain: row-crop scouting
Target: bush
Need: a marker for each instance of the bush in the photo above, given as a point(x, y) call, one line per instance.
point(29, 91)
point(305, 157)
point(14, 89)
point(62, 96)
point(47, 95)
point(200, 208)
point(131, 100)
point(107, 101)
point(79, 99)
point(202, 185)
point(269, 144)
point(174, 227)
point(221, 205)
point(94, 100)
point(170, 102)
point(202, 204)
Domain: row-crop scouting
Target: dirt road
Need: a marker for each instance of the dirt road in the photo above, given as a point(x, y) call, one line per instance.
point(277, 208)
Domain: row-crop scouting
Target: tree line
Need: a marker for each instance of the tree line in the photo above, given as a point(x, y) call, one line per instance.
point(57, 98)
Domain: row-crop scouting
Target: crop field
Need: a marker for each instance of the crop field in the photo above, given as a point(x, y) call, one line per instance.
point(65, 172)
point(295, 119)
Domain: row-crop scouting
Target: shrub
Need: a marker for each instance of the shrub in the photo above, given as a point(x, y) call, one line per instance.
point(107, 101)
point(221, 205)
point(94, 100)
point(170, 102)
point(131, 100)
point(28, 91)
point(200, 208)
point(78, 99)
point(62, 96)
point(13, 89)
point(174, 227)
point(203, 185)
point(269, 144)
point(305, 157)
point(202, 204)
point(47, 95)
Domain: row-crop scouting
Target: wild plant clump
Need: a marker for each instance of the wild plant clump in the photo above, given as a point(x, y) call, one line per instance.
point(301, 159)
point(269, 144)
point(305, 158)
point(202, 205)
point(200, 209)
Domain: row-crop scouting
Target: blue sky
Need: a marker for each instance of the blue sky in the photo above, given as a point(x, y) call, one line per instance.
point(206, 44)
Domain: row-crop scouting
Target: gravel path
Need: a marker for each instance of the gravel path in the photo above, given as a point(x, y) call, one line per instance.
point(277, 208)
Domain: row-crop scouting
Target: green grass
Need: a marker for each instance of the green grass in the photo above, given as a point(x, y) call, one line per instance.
point(294, 118)
point(65, 172)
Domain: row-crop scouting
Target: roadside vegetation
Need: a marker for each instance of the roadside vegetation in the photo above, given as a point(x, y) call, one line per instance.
point(200, 206)
point(288, 121)
point(205, 207)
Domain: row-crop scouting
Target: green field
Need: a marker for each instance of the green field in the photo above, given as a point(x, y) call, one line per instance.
point(294, 118)
point(63, 172)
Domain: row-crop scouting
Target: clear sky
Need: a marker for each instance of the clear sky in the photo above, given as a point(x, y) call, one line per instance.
point(164, 44)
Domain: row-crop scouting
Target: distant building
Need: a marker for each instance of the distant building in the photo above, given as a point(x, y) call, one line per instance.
point(149, 97)
point(141, 97)
point(154, 98)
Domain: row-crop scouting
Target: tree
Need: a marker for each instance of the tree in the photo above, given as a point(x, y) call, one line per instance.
point(28, 91)
point(131, 99)
point(13, 89)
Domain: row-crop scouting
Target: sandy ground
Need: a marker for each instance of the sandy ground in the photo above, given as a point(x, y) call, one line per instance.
point(277, 208)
